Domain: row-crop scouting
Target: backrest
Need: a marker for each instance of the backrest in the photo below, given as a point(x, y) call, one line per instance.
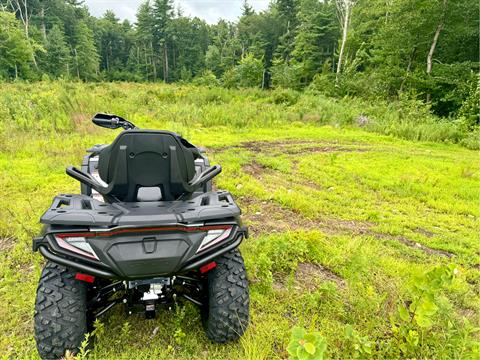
point(142, 159)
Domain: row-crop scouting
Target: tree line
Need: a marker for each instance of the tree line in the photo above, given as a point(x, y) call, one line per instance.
point(421, 49)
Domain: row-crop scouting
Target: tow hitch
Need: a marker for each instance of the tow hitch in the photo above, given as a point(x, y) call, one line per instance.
point(153, 291)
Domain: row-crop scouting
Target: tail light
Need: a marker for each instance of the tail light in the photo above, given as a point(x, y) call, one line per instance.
point(214, 237)
point(76, 244)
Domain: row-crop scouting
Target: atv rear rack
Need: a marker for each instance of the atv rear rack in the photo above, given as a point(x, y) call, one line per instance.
point(83, 210)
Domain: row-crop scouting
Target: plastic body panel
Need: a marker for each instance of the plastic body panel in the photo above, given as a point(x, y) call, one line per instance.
point(148, 255)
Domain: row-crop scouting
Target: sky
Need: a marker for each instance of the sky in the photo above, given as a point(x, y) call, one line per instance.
point(209, 10)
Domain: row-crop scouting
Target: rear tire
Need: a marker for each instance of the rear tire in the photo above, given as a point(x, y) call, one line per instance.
point(60, 312)
point(226, 316)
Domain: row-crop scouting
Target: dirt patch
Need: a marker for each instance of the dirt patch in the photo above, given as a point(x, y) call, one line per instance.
point(350, 226)
point(80, 118)
point(414, 245)
point(254, 169)
point(83, 124)
point(321, 149)
point(424, 232)
point(266, 217)
point(308, 276)
point(290, 147)
point(6, 243)
point(257, 171)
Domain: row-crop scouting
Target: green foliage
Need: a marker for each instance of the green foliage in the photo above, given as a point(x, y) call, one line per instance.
point(424, 293)
point(230, 79)
point(22, 108)
point(315, 39)
point(84, 350)
point(207, 78)
point(306, 345)
point(390, 53)
point(85, 56)
point(249, 71)
point(470, 109)
point(285, 96)
point(417, 315)
point(15, 49)
point(286, 75)
point(57, 59)
point(213, 60)
point(360, 345)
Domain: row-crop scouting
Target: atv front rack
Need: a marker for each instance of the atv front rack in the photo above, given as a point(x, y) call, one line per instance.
point(83, 210)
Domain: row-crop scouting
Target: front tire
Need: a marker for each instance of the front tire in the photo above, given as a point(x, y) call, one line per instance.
point(226, 316)
point(60, 312)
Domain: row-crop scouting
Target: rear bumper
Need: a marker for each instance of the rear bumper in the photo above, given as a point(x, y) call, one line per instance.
point(149, 267)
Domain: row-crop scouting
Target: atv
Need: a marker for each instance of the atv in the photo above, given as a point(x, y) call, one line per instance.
point(146, 231)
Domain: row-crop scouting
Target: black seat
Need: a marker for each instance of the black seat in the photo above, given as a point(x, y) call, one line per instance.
point(140, 159)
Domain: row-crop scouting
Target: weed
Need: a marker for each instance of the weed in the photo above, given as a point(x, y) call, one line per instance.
point(306, 345)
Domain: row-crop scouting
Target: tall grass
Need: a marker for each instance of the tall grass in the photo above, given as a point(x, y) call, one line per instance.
point(67, 106)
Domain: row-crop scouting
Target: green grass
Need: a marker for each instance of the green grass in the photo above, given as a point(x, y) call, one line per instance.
point(342, 220)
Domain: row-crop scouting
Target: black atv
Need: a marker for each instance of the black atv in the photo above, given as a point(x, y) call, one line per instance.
point(146, 231)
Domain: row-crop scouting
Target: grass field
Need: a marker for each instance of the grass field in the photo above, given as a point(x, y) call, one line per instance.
point(349, 229)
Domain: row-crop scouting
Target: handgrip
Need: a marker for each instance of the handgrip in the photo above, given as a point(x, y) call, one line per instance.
point(112, 121)
point(106, 121)
point(84, 178)
point(206, 175)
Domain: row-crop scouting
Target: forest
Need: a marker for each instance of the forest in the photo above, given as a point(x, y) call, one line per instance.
point(403, 50)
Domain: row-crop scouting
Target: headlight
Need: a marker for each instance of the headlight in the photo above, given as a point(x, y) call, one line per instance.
point(76, 244)
point(214, 237)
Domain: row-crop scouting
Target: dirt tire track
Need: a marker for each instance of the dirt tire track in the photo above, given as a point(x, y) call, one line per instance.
point(273, 218)
point(292, 147)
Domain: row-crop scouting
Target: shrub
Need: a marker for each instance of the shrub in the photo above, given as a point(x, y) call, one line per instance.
point(230, 79)
point(286, 76)
point(284, 97)
point(250, 71)
point(207, 78)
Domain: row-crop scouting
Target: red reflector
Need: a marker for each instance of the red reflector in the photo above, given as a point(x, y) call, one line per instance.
point(208, 267)
point(85, 277)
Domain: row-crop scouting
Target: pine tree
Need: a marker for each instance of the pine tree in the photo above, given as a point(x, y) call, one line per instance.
point(288, 14)
point(247, 9)
point(85, 56)
point(162, 16)
point(145, 40)
point(57, 58)
point(316, 37)
point(213, 60)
